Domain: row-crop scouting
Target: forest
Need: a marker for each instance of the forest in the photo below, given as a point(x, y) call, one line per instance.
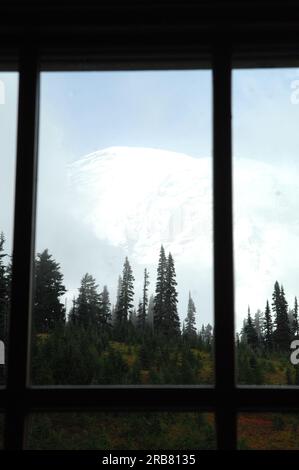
point(101, 341)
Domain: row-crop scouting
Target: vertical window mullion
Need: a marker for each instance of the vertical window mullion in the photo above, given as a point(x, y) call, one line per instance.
point(223, 250)
point(23, 247)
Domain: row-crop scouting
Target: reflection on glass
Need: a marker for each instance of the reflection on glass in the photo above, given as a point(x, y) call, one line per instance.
point(8, 124)
point(266, 224)
point(268, 431)
point(129, 431)
point(123, 273)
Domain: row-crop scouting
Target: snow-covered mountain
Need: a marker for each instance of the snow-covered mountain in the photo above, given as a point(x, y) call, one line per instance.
point(134, 199)
point(138, 198)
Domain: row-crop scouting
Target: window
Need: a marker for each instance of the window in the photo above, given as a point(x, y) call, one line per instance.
point(119, 298)
point(265, 224)
point(158, 42)
point(8, 127)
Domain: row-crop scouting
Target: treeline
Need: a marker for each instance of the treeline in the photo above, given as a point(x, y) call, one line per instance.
point(274, 328)
point(100, 342)
point(263, 345)
point(93, 308)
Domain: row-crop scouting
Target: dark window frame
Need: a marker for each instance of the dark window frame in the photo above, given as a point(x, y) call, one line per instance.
point(139, 37)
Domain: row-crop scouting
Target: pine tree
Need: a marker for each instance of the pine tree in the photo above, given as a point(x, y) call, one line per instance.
point(48, 311)
point(133, 317)
point(250, 332)
point(282, 334)
point(206, 336)
point(126, 295)
point(119, 284)
point(159, 305)
point(172, 321)
point(295, 318)
point(268, 326)
point(145, 296)
point(190, 322)
point(87, 304)
point(141, 317)
point(104, 316)
point(150, 311)
point(115, 307)
point(258, 324)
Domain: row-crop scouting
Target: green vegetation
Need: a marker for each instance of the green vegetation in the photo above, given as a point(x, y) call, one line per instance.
point(130, 431)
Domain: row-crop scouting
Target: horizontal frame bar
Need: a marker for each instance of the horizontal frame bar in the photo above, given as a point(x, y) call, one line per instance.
point(69, 398)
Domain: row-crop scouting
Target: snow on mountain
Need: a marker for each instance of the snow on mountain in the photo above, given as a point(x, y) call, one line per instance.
point(137, 198)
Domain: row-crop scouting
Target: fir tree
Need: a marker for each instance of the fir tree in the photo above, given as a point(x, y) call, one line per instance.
point(159, 305)
point(258, 324)
point(119, 284)
point(48, 311)
point(126, 295)
point(250, 332)
point(150, 311)
point(87, 304)
point(268, 326)
point(142, 319)
point(133, 317)
point(171, 325)
point(282, 334)
point(141, 316)
point(104, 316)
point(190, 322)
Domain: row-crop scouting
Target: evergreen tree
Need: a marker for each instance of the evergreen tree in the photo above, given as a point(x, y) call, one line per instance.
point(258, 324)
point(126, 295)
point(268, 326)
point(48, 311)
point(295, 318)
point(206, 336)
point(115, 307)
point(145, 295)
point(133, 317)
point(104, 317)
point(190, 322)
point(172, 321)
point(250, 332)
point(159, 305)
point(87, 304)
point(282, 334)
point(150, 311)
point(119, 285)
point(141, 316)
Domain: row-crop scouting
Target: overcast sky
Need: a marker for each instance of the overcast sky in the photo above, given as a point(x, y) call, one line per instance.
point(85, 112)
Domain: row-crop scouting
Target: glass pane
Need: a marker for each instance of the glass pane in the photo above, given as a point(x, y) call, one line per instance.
point(266, 225)
point(268, 431)
point(8, 128)
point(129, 431)
point(123, 280)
